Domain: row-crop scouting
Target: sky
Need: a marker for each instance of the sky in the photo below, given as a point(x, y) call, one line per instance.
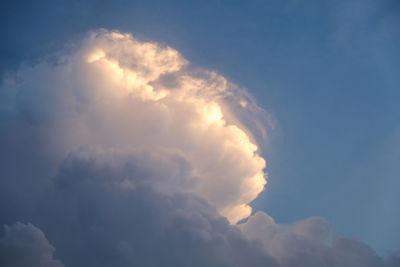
point(301, 94)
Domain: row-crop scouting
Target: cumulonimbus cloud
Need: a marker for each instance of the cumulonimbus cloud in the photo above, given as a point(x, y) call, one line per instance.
point(117, 93)
point(122, 154)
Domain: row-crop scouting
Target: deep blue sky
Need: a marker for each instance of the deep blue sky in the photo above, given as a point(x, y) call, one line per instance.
point(327, 71)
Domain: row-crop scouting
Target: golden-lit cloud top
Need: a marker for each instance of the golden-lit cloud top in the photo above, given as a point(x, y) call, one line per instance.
point(166, 106)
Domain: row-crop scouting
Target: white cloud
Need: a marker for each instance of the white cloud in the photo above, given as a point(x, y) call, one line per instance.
point(118, 93)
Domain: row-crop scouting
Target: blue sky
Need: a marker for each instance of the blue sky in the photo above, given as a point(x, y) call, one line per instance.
point(328, 72)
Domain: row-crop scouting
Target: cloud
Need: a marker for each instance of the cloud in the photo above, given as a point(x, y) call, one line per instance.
point(310, 242)
point(125, 155)
point(127, 152)
point(26, 245)
point(118, 93)
point(105, 214)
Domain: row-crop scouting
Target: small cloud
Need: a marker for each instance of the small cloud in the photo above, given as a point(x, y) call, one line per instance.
point(25, 245)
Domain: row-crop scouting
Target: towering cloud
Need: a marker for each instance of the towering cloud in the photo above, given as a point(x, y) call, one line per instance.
point(116, 93)
point(121, 154)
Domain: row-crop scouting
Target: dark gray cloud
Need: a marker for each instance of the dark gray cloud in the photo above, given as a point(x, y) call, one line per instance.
point(24, 245)
point(102, 216)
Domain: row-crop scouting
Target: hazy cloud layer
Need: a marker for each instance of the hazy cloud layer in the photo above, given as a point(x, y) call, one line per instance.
point(124, 155)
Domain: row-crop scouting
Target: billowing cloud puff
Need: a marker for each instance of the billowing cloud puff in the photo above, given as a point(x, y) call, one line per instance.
point(310, 242)
point(25, 245)
point(106, 214)
point(121, 154)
